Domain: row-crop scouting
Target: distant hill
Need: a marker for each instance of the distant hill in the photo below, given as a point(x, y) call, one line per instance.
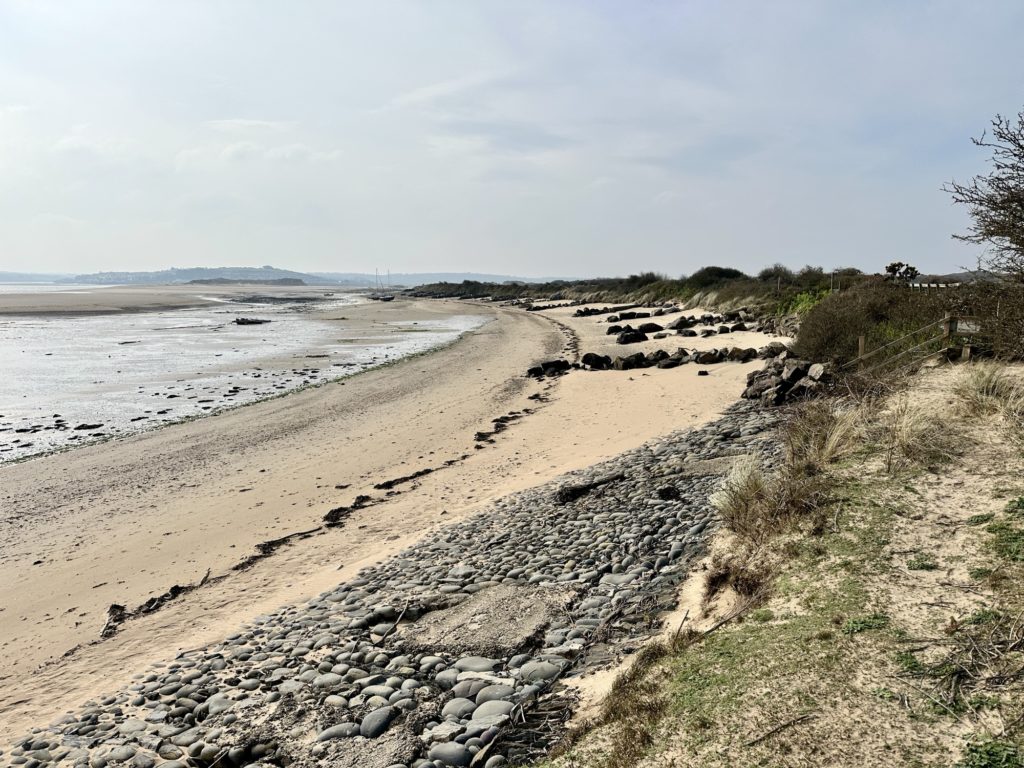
point(259, 275)
point(225, 281)
point(29, 277)
point(411, 279)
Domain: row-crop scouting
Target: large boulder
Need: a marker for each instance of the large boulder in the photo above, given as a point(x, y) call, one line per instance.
point(630, 337)
point(741, 354)
point(549, 368)
point(596, 362)
point(613, 329)
point(686, 332)
point(629, 362)
point(708, 357)
point(772, 349)
point(680, 323)
point(650, 328)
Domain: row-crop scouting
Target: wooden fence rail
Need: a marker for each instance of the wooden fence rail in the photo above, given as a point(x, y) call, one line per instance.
point(947, 328)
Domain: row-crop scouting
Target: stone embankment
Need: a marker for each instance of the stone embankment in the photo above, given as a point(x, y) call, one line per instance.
point(452, 653)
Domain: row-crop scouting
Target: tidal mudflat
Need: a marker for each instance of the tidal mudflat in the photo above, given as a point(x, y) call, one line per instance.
point(71, 379)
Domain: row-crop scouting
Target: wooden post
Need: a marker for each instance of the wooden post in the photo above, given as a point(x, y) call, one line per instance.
point(862, 343)
point(947, 329)
point(965, 354)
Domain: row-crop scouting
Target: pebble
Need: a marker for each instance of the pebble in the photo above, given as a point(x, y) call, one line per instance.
point(618, 549)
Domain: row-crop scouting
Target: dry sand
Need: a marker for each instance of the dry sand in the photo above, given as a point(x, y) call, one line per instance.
point(123, 521)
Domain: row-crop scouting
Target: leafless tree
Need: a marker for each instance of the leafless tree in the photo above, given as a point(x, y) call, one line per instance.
point(996, 200)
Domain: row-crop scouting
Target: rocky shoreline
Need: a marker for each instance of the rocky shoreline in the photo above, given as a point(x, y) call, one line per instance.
point(446, 654)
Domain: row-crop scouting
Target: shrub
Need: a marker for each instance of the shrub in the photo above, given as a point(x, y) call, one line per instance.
point(884, 311)
point(705, 277)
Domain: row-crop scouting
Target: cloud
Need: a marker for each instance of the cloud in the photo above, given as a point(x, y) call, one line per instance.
point(507, 136)
point(446, 90)
point(241, 125)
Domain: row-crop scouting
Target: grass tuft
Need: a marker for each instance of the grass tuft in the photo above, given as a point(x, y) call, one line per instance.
point(913, 437)
point(991, 753)
point(857, 624)
point(984, 388)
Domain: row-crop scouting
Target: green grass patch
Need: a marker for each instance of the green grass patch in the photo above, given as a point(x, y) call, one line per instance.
point(922, 563)
point(1008, 539)
point(991, 753)
point(858, 624)
point(984, 517)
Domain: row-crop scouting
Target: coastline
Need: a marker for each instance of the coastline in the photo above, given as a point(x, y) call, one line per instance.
point(122, 299)
point(573, 422)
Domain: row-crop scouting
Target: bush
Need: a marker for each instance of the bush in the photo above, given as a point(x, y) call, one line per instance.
point(777, 273)
point(705, 277)
point(880, 311)
point(883, 312)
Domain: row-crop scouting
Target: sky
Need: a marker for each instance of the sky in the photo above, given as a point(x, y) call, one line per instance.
point(521, 137)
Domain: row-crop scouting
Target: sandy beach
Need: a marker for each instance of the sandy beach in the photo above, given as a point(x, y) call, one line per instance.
point(124, 521)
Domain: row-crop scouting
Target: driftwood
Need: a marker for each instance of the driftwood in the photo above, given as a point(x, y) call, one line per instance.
point(779, 728)
point(568, 493)
point(118, 614)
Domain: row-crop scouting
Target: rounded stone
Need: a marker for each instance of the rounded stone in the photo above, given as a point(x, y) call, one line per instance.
point(494, 693)
point(458, 708)
point(375, 723)
point(342, 731)
point(493, 709)
point(477, 664)
point(451, 753)
point(538, 671)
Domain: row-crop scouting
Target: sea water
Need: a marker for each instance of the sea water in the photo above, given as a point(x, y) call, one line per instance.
point(70, 380)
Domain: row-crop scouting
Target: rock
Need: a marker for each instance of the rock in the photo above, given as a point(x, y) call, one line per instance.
point(458, 708)
point(493, 709)
point(341, 731)
point(629, 362)
point(818, 371)
point(596, 362)
point(450, 753)
point(539, 671)
point(741, 355)
point(477, 664)
point(630, 337)
point(773, 349)
point(650, 328)
point(494, 693)
point(375, 723)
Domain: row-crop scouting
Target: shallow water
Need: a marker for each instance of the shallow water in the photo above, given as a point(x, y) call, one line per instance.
point(75, 380)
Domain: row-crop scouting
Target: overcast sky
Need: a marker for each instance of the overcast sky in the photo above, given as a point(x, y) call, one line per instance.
point(529, 138)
